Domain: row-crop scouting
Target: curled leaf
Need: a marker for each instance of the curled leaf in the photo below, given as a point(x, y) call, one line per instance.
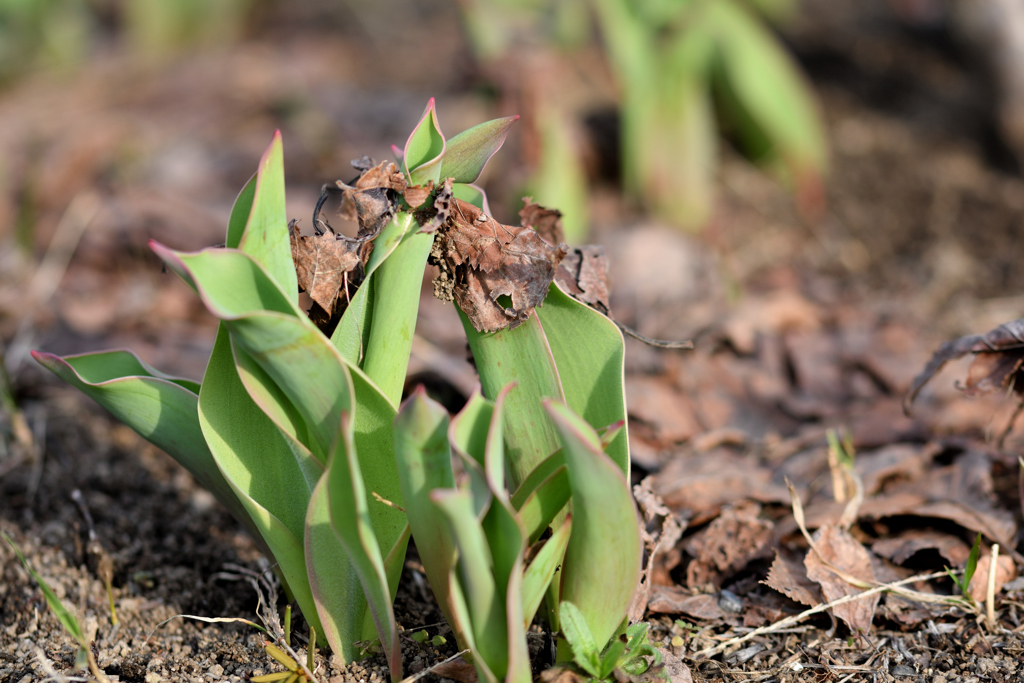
point(468, 152)
point(371, 199)
point(324, 263)
point(999, 354)
point(583, 274)
point(486, 260)
point(424, 149)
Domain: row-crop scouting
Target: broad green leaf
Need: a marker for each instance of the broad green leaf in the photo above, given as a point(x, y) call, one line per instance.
point(240, 214)
point(494, 447)
point(536, 477)
point(581, 640)
point(266, 236)
point(279, 409)
point(351, 519)
point(484, 604)
point(467, 435)
point(396, 301)
point(602, 562)
point(310, 371)
point(542, 571)
point(610, 657)
point(159, 408)
point(424, 465)
point(64, 616)
point(768, 84)
point(520, 355)
point(589, 351)
point(333, 581)
point(467, 153)
point(544, 503)
point(259, 467)
point(424, 150)
point(352, 334)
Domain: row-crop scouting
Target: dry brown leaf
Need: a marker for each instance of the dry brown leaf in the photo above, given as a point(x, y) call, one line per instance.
point(901, 548)
point(370, 200)
point(728, 544)
point(837, 548)
point(660, 533)
point(488, 260)
point(583, 274)
point(998, 357)
point(678, 600)
point(547, 222)
point(457, 669)
point(1006, 571)
point(675, 667)
point(324, 262)
point(788, 575)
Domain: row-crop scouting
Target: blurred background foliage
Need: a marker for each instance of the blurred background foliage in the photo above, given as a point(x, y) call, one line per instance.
point(668, 78)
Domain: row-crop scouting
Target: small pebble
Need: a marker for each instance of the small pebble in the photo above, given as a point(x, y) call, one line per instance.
point(730, 602)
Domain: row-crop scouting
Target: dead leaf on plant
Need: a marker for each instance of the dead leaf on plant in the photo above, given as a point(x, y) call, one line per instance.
point(488, 261)
point(370, 200)
point(583, 274)
point(997, 362)
point(324, 263)
point(837, 548)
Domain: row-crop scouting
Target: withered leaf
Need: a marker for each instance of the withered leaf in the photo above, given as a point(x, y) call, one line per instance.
point(416, 195)
point(488, 260)
point(999, 354)
point(678, 600)
point(839, 549)
point(728, 544)
point(547, 222)
point(788, 575)
point(370, 200)
point(583, 274)
point(324, 262)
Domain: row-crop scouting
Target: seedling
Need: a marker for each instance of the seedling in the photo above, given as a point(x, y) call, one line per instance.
point(83, 657)
point(626, 654)
point(964, 583)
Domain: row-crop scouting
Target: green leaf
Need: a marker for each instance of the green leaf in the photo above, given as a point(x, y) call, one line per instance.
point(602, 562)
point(266, 236)
point(64, 616)
point(351, 337)
point(520, 355)
point(542, 570)
point(396, 300)
point(610, 657)
point(467, 153)
point(424, 465)
point(467, 435)
point(424, 150)
point(472, 194)
point(351, 519)
point(310, 371)
point(544, 503)
point(536, 477)
point(163, 410)
point(259, 467)
point(560, 178)
point(333, 581)
point(577, 633)
point(589, 351)
point(240, 214)
point(768, 85)
point(484, 604)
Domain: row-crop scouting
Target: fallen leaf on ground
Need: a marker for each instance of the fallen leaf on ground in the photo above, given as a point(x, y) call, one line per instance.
point(837, 548)
point(902, 547)
point(1006, 571)
point(678, 600)
point(675, 667)
point(788, 575)
point(997, 362)
point(727, 545)
point(488, 260)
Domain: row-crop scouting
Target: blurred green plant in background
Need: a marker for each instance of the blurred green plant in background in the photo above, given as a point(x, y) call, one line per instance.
point(684, 69)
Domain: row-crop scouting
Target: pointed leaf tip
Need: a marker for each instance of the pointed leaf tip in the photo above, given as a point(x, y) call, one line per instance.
point(467, 153)
point(424, 149)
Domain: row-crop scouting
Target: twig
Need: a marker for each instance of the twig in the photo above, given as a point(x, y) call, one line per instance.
point(417, 676)
point(660, 343)
point(990, 588)
point(796, 618)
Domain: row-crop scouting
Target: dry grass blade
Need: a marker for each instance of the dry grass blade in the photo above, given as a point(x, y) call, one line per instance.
point(894, 587)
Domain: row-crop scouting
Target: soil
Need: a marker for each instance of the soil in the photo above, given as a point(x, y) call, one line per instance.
point(804, 321)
